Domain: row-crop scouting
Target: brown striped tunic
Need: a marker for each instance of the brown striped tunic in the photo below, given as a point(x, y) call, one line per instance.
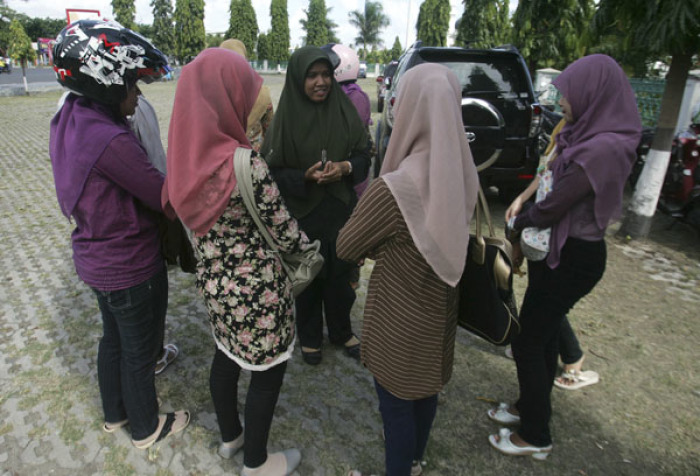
point(410, 316)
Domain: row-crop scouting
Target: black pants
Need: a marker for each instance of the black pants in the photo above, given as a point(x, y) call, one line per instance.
point(569, 347)
point(259, 405)
point(333, 296)
point(551, 293)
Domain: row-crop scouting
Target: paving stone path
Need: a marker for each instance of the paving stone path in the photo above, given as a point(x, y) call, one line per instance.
point(50, 417)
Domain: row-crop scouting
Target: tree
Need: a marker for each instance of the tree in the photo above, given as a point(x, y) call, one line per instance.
point(124, 11)
point(278, 37)
point(433, 22)
point(396, 50)
point(20, 49)
point(316, 24)
point(330, 27)
point(214, 40)
point(163, 34)
point(189, 28)
point(484, 23)
point(42, 27)
point(6, 16)
point(263, 47)
point(243, 25)
point(662, 27)
point(552, 33)
point(369, 22)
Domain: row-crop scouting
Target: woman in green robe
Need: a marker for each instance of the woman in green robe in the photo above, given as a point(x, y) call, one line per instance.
point(317, 149)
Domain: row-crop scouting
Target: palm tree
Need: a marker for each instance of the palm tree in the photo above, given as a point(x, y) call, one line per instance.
point(369, 23)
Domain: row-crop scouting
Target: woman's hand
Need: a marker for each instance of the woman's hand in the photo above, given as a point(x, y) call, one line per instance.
point(314, 173)
point(333, 172)
point(514, 208)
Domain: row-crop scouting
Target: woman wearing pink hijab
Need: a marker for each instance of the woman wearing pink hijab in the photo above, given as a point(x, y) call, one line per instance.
point(595, 152)
point(414, 222)
point(247, 294)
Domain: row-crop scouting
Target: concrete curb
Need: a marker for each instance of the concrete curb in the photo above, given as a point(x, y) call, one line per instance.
point(8, 90)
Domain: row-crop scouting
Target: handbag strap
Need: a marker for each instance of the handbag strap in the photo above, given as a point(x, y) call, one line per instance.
point(244, 177)
point(482, 206)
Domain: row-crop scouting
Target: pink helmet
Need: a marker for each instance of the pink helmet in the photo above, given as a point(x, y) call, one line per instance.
point(349, 64)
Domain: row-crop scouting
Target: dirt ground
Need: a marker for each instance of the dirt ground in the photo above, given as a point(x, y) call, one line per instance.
point(637, 328)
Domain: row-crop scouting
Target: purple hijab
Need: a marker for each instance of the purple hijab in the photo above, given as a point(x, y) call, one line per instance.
point(602, 140)
point(80, 132)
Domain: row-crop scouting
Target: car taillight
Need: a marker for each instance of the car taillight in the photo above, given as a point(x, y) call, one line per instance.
point(392, 100)
point(535, 120)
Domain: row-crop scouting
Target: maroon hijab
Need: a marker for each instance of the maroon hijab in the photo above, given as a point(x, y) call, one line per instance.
point(602, 140)
point(214, 96)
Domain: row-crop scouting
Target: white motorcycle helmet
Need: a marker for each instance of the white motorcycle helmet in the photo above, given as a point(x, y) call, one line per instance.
point(349, 65)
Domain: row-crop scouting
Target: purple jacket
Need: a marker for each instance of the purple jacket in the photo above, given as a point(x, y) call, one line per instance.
point(360, 99)
point(105, 182)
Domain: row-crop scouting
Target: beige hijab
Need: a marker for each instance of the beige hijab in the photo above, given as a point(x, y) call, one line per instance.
point(264, 98)
point(429, 168)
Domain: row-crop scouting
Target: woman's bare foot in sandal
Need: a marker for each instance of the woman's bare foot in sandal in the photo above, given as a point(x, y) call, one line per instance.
point(574, 367)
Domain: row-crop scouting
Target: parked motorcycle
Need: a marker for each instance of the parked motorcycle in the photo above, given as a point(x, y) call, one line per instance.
point(680, 193)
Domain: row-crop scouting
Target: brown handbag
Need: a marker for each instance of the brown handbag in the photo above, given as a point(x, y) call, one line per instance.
point(487, 305)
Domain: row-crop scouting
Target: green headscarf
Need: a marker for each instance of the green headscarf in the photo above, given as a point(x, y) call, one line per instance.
point(302, 129)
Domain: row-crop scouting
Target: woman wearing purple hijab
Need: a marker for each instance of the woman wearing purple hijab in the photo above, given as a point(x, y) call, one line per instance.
point(595, 152)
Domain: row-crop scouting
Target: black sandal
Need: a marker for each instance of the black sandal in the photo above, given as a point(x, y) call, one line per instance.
point(166, 427)
point(313, 357)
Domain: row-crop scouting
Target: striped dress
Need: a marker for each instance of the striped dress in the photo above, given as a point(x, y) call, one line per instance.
point(410, 319)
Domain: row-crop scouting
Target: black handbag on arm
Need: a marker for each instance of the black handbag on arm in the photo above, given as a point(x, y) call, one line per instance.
point(486, 301)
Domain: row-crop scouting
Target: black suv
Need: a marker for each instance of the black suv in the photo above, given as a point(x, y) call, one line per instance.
point(499, 110)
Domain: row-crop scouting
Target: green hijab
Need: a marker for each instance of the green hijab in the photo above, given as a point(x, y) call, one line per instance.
point(302, 129)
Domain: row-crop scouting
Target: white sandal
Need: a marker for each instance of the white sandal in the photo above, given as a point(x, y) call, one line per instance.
point(575, 379)
point(503, 443)
point(170, 353)
point(501, 415)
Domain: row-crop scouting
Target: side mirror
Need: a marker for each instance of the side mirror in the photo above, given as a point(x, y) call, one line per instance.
point(387, 81)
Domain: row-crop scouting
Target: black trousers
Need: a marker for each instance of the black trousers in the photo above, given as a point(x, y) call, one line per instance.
point(330, 295)
point(569, 347)
point(551, 293)
point(259, 405)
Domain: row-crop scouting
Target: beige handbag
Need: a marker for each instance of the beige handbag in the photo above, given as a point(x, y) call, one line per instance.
point(301, 268)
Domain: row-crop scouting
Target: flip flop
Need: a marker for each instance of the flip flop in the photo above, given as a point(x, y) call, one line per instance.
point(503, 443)
point(574, 379)
point(112, 427)
point(168, 424)
point(170, 353)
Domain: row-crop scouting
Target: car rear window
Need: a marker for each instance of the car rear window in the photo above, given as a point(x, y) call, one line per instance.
point(486, 76)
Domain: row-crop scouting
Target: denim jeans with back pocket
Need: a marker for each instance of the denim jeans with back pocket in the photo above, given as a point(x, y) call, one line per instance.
point(128, 350)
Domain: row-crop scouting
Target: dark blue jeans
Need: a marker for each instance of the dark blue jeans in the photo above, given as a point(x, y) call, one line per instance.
point(550, 294)
point(126, 358)
point(407, 425)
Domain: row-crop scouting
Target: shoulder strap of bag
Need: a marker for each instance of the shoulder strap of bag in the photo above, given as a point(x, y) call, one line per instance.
point(477, 243)
point(244, 177)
